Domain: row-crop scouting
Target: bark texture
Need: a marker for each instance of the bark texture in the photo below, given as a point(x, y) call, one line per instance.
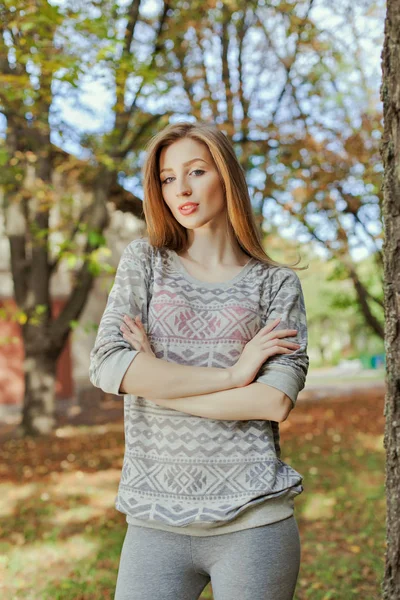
point(390, 150)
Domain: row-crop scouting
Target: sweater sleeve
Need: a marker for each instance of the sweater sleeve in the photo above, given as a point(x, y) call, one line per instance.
point(111, 355)
point(284, 298)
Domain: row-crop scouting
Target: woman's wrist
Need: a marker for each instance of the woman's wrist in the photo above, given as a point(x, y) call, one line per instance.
point(233, 379)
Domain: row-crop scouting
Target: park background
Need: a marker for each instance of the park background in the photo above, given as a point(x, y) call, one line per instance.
point(296, 87)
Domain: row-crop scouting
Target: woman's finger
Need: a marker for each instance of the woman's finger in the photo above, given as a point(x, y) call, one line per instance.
point(135, 335)
point(271, 324)
point(131, 326)
point(134, 343)
point(139, 322)
point(129, 321)
point(135, 330)
point(128, 329)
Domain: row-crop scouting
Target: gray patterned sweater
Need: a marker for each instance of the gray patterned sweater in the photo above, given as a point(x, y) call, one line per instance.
point(185, 473)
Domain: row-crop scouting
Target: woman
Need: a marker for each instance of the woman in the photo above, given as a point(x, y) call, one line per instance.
point(206, 337)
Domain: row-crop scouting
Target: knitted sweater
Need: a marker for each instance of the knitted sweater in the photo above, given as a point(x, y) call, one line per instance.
point(185, 473)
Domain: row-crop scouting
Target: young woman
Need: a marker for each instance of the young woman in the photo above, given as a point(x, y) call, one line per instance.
point(206, 337)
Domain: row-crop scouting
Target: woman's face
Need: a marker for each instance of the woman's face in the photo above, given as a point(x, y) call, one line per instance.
point(188, 174)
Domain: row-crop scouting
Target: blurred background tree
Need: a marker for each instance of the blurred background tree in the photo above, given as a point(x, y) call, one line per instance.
point(289, 83)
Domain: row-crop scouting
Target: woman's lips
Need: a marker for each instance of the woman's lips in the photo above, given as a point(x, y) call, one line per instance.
point(189, 209)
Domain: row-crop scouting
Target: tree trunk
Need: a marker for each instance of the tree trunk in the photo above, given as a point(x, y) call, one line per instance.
point(390, 150)
point(38, 416)
point(45, 337)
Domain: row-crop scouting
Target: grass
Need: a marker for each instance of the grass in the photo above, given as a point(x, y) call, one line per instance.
point(60, 536)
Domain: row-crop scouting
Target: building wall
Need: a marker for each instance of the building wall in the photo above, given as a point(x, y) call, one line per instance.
point(12, 386)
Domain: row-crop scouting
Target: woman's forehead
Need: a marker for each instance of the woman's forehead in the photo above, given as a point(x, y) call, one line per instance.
point(182, 151)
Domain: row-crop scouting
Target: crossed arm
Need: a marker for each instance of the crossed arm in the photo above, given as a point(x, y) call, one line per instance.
point(208, 392)
point(256, 401)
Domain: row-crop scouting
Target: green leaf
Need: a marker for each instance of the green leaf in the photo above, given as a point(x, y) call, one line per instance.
point(95, 238)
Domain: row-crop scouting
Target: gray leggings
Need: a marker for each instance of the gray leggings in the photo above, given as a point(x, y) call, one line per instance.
point(261, 563)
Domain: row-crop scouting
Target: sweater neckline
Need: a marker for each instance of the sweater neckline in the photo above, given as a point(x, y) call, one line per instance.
point(210, 284)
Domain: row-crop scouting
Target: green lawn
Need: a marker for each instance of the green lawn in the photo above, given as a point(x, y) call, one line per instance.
point(60, 536)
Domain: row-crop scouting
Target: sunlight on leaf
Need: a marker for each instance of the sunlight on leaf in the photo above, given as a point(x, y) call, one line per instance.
point(10, 495)
point(319, 506)
point(24, 564)
point(370, 442)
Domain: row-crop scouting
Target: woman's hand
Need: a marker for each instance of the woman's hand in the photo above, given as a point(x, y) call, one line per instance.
point(265, 343)
point(134, 333)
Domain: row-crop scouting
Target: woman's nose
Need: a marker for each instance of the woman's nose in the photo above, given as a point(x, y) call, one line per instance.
point(183, 189)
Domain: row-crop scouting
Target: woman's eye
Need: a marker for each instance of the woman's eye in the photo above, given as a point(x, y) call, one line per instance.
point(195, 171)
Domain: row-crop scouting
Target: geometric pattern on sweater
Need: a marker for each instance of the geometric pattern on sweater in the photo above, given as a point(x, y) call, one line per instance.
point(180, 469)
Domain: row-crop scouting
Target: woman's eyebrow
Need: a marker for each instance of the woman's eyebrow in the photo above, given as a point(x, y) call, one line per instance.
point(184, 164)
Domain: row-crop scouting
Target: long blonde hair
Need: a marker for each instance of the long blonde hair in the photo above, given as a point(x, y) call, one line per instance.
point(162, 227)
